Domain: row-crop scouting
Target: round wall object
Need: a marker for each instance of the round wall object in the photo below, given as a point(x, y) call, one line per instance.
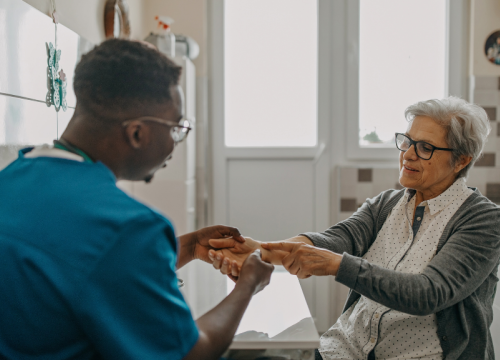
point(116, 19)
point(492, 48)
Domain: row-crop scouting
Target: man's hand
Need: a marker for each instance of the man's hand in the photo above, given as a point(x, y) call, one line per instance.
point(305, 260)
point(196, 245)
point(255, 273)
point(232, 254)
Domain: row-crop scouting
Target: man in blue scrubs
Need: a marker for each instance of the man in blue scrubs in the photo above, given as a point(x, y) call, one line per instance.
point(87, 272)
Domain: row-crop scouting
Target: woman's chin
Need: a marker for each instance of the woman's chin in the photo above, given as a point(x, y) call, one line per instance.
point(406, 183)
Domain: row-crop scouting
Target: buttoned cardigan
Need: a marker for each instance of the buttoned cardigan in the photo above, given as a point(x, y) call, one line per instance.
point(458, 284)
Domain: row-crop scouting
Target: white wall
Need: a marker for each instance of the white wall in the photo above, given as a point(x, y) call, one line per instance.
point(485, 19)
point(190, 20)
point(86, 17)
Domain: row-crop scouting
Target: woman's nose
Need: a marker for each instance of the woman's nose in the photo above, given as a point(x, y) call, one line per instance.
point(410, 154)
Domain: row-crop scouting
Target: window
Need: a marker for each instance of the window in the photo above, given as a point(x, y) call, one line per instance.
point(402, 60)
point(270, 73)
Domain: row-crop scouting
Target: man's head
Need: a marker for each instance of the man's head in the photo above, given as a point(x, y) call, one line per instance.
point(120, 81)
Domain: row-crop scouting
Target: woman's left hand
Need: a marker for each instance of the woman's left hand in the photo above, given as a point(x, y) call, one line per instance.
point(305, 260)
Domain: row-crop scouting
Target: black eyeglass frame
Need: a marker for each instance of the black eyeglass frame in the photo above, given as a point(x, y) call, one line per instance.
point(185, 125)
point(414, 143)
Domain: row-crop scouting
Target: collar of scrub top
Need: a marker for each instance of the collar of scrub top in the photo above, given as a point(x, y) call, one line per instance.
point(66, 146)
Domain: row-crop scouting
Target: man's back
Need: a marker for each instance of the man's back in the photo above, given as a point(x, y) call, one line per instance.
point(86, 270)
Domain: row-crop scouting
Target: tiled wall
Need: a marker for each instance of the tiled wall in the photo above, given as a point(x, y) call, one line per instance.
point(358, 184)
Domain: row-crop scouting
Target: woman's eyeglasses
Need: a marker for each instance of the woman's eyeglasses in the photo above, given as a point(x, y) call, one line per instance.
point(423, 149)
point(179, 130)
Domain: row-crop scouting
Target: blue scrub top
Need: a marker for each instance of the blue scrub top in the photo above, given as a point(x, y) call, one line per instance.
point(85, 271)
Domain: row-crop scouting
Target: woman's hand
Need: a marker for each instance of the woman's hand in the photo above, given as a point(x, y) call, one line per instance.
point(232, 254)
point(305, 260)
point(196, 245)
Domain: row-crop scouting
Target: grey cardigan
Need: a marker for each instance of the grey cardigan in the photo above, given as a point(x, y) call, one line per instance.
point(458, 284)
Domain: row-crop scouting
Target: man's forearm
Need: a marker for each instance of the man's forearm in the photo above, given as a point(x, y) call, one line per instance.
point(218, 326)
point(186, 249)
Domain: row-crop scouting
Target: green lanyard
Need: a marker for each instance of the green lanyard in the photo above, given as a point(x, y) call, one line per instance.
point(64, 145)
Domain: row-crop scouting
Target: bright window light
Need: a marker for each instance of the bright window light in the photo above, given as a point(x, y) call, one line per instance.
point(270, 63)
point(402, 60)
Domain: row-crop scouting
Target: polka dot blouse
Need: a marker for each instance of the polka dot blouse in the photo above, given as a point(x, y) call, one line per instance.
point(407, 242)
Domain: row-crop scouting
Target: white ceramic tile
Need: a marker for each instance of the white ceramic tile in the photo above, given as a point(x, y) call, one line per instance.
point(26, 122)
point(384, 179)
point(491, 144)
point(67, 42)
point(486, 82)
point(365, 191)
point(344, 215)
point(486, 97)
point(348, 182)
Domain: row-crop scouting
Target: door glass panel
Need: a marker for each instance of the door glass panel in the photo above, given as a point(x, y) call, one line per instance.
point(270, 73)
point(402, 61)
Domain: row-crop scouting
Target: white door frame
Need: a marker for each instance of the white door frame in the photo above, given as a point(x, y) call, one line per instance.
point(319, 289)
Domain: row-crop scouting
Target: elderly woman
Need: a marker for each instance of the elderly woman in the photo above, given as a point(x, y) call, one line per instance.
point(421, 262)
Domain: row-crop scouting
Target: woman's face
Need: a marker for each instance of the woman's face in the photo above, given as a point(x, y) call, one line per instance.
point(430, 177)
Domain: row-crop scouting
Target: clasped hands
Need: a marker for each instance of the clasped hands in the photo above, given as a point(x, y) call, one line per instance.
point(297, 255)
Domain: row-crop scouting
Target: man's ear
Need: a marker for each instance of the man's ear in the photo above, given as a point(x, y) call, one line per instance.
point(463, 162)
point(137, 134)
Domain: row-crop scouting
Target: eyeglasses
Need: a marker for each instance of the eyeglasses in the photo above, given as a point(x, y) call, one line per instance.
point(423, 149)
point(179, 130)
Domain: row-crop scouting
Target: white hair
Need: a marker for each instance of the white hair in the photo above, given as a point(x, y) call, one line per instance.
point(467, 125)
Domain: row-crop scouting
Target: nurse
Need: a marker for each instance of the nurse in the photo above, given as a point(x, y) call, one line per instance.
point(86, 271)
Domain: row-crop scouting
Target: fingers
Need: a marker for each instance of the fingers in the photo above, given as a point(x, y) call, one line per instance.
point(281, 245)
point(222, 243)
point(231, 231)
point(216, 258)
point(235, 270)
point(225, 267)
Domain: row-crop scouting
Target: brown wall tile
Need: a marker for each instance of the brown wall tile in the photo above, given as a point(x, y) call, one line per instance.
point(348, 205)
point(365, 175)
point(493, 192)
point(498, 130)
point(487, 159)
point(491, 112)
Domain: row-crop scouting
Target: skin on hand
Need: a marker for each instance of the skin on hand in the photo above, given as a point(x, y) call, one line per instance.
point(229, 259)
point(196, 245)
point(305, 260)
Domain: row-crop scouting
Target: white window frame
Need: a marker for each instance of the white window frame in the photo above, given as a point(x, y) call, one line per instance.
point(457, 39)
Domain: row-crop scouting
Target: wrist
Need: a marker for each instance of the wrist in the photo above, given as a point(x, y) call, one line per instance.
point(335, 264)
point(245, 287)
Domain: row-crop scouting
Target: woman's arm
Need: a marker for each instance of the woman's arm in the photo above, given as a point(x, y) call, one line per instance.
point(460, 267)
point(356, 234)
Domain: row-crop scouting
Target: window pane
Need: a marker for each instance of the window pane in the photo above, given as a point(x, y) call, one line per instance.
point(270, 73)
point(402, 61)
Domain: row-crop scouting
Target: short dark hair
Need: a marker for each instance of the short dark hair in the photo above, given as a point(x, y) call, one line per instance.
point(119, 75)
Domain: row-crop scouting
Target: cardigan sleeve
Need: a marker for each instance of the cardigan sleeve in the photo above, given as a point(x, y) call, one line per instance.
point(469, 255)
point(356, 234)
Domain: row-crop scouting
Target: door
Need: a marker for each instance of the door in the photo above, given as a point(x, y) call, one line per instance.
point(271, 167)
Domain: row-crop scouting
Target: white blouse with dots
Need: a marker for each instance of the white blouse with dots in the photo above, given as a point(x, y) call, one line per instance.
point(406, 247)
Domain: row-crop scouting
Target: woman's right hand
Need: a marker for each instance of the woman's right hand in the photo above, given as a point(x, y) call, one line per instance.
point(231, 254)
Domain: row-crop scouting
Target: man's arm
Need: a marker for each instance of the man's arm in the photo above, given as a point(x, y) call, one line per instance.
point(218, 326)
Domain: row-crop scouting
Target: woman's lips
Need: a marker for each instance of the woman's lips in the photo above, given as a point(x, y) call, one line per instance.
point(410, 169)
